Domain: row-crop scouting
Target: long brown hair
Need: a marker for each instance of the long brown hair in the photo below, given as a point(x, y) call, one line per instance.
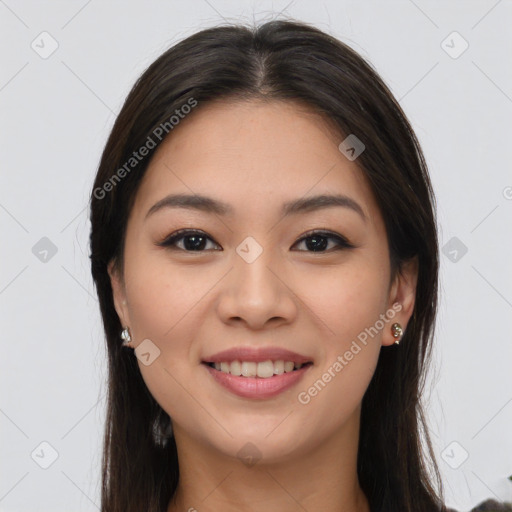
point(277, 61)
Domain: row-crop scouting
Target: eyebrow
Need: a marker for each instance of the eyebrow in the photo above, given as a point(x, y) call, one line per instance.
point(210, 205)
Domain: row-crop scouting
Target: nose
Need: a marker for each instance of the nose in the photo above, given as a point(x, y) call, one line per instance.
point(257, 294)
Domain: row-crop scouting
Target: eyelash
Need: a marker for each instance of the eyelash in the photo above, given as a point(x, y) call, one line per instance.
point(171, 240)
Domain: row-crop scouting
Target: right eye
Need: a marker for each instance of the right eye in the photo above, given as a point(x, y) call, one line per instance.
point(193, 240)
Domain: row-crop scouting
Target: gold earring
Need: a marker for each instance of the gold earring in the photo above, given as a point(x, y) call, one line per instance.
point(397, 331)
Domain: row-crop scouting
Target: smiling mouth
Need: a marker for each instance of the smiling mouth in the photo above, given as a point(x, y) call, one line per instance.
point(263, 370)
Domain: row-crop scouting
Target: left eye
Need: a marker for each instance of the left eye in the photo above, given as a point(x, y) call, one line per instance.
point(195, 241)
point(318, 240)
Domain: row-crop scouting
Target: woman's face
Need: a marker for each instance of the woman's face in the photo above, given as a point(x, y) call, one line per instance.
point(252, 280)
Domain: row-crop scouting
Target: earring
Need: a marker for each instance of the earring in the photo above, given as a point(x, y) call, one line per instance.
point(397, 331)
point(126, 336)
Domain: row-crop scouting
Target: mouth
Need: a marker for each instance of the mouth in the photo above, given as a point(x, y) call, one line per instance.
point(257, 370)
point(257, 380)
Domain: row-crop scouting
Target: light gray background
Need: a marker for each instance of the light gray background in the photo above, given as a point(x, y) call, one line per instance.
point(56, 113)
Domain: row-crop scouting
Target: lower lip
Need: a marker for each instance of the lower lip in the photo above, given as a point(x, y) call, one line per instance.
point(257, 387)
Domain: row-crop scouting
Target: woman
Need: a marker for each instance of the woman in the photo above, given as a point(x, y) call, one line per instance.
point(264, 247)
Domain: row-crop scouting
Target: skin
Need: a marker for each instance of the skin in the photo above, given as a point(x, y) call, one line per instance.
point(255, 156)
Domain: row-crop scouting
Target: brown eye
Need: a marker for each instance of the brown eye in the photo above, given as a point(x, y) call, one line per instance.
point(193, 241)
point(318, 241)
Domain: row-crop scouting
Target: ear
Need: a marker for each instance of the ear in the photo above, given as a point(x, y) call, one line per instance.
point(402, 293)
point(118, 293)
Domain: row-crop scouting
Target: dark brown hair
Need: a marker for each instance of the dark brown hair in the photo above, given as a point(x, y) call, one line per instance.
point(277, 61)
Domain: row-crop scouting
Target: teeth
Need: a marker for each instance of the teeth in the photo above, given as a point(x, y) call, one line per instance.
point(279, 367)
point(249, 369)
point(289, 366)
point(264, 369)
point(235, 368)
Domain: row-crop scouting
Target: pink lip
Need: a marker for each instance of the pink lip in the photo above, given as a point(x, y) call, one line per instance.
point(257, 355)
point(257, 387)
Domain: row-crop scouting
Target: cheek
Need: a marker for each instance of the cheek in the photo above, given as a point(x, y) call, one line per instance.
point(161, 295)
point(164, 308)
point(347, 304)
point(345, 300)
point(349, 307)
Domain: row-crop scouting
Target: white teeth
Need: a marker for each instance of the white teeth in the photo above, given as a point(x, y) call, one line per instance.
point(236, 368)
point(279, 367)
point(264, 369)
point(249, 369)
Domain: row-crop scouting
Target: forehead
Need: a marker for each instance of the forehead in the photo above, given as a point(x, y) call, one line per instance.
point(252, 155)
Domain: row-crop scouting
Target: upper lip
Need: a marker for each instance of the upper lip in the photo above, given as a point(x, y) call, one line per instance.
point(257, 355)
